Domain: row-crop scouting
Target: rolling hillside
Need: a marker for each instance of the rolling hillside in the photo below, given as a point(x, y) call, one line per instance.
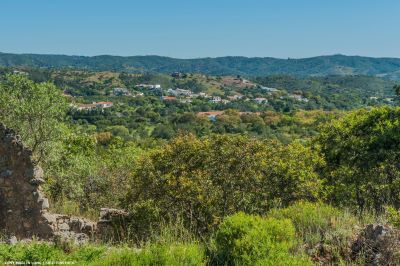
point(315, 66)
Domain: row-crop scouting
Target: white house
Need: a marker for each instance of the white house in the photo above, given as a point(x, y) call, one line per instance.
point(269, 89)
point(148, 86)
point(299, 98)
point(94, 105)
point(104, 104)
point(261, 100)
point(215, 99)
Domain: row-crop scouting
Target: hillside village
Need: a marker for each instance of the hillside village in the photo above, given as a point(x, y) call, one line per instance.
point(216, 90)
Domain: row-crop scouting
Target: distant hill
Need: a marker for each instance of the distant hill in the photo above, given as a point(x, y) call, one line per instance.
point(314, 66)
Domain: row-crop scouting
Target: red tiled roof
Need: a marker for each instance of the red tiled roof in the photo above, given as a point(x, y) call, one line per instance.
point(169, 98)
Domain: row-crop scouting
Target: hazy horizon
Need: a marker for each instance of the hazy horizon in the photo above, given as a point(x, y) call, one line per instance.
point(189, 58)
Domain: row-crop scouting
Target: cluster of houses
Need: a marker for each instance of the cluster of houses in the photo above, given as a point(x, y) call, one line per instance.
point(186, 96)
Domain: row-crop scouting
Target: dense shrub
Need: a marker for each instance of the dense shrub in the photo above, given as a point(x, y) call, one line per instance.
point(205, 180)
point(362, 151)
point(393, 216)
point(247, 239)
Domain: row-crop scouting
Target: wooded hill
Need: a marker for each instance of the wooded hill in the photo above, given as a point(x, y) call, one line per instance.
point(232, 65)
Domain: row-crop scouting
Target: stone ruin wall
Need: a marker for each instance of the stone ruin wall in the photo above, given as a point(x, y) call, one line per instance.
point(24, 210)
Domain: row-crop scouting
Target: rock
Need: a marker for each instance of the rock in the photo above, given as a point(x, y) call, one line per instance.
point(63, 227)
point(89, 228)
point(45, 204)
point(76, 224)
point(12, 240)
point(38, 172)
point(81, 239)
point(36, 181)
point(112, 224)
point(378, 244)
point(6, 173)
point(50, 218)
point(108, 213)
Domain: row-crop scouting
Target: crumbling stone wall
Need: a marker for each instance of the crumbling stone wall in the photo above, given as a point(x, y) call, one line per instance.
point(23, 207)
point(22, 202)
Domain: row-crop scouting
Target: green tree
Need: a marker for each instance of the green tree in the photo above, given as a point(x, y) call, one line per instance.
point(362, 154)
point(207, 179)
point(34, 110)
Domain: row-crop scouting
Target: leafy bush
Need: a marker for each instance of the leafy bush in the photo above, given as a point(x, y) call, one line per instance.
point(361, 151)
point(247, 239)
point(205, 180)
point(393, 216)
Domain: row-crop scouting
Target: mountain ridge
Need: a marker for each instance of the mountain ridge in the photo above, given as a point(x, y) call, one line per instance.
point(386, 67)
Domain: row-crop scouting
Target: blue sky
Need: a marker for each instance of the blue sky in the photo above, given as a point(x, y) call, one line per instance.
point(201, 28)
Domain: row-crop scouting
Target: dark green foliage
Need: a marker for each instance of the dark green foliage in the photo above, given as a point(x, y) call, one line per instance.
point(207, 179)
point(362, 154)
point(333, 92)
point(322, 65)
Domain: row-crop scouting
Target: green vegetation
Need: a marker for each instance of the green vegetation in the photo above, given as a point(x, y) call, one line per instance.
point(175, 254)
point(361, 154)
point(204, 180)
point(334, 91)
point(35, 110)
point(231, 65)
point(251, 240)
point(253, 188)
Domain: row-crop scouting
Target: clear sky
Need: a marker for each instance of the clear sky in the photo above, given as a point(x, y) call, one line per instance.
point(201, 28)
